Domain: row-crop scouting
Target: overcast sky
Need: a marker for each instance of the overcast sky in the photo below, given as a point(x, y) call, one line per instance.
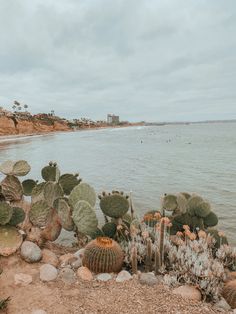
point(160, 60)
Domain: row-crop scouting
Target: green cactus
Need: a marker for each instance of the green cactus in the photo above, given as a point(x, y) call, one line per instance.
point(18, 216)
point(82, 192)
point(84, 218)
point(19, 168)
point(219, 240)
point(5, 213)
point(210, 220)
point(186, 195)
point(50, 172)
point(64, 213)
point(39, 214)
point(193, 203)
point(134, 260)
point(10, 240)
point(109, 229)
point(103, 255)
point(28, 186)
point(148, 260)
point(169, 202)
point(182, 203)
point(38, 193)
point(97, 233)
point(12, 188)
point(53, 227)
point(114, 205)
point(51, 192)
point(68, 182)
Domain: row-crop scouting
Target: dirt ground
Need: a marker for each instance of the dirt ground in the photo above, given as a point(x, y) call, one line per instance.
point(88, 297)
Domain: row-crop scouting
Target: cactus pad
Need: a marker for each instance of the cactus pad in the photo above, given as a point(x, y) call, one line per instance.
point(82, 192)
point(5, 213)
point(169, 202)
point(64, 214)
point(10, 240)
point(51, 192)
point(39, 214)
point(28, 186)
point(114, 205)
point(19, 168)
point(193, 202)
point(103, 255)
point(38, 193)
point(12, 188)
point(68, 182)
point(53, 228)
point(109, 229)
point(50, 172)
point(84, 218)
point(210, 220)
point(18, 216)
point(182, 203)
point(203, 209)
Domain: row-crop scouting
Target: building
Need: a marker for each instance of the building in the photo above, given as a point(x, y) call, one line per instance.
point(113, 119)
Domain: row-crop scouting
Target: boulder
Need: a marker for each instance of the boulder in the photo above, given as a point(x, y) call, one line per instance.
point(148, 279)
point(104, 277)
point(30, 252)
point(84, 273)
point(67, 259)
point(48, 257)
point(123, 275)
point(48, 272)
point(188, 292)
point(67, 275)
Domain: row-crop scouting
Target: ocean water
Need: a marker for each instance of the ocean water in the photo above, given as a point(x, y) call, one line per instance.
point(149, 161)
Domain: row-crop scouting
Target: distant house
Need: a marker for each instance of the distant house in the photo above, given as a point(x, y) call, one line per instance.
point(113, 119)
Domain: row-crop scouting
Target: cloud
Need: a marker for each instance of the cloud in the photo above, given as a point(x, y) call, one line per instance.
point(144, 60)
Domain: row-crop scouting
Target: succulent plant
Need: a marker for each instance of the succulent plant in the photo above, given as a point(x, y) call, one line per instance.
point(10, 240)
point(68, 182)
point(219, 239)
point(229, 293)
point(50, 172)
point(157, 264)
point(134, 260)
point(53, 228)
point(38, 193)
point(82, 192)
point(28, 186)
point(210, 220)
point(103, 255)
point(114, 205)
point(19, 168)
point(51, 192)
point(162, 241)
point(12, 188)
point(18, 216)
point(109, 229)
point(169, 202)
point(84, 218)
point(148, 261)
point(39, 214)
point(64, 214)
point(97, 233)
point(151, 218)
point(193, 202)
point(5, 213)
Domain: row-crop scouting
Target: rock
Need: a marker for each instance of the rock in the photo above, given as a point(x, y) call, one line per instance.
point(48, 272)
point(104, 277)
point(67, 275)
point(22, 279)
point(39, 312)
point(188, 292)
point(67, 259)
point(84, 273)
point(48, 257)
point(30, 252)
point(123, 275)
point(76, 264)
point(79, 253)
point(222, 306)
point(148, 279)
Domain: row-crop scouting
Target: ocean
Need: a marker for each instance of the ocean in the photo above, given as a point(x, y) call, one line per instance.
point(148, 160)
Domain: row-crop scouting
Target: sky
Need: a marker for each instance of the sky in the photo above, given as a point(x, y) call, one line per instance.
point(152, 60)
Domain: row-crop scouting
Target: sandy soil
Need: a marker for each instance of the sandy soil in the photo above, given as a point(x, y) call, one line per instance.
point(88, 297)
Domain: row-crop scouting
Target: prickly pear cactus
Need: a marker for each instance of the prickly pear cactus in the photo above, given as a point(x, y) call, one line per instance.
point(53, 228)
point(18, 216)
point(38, 193)
point(50, 172)
point(64, 214)
point(68, 182)
point(19, 168)
point(210, 220)
point(103, 255)
point(169, 202)
point(114, 205)
point(51, 192)
point(219, 239)
point(39, 214)
point(12, 188)
point(82, 192)
point(28, 186)
point(109, 229)
point(10, 240)
point(193, 203)
point(5, 213)
point(84, 218)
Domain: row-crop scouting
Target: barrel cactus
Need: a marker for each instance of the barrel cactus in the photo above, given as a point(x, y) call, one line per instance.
point(82, 192)
point(103, 255)
point(114, 205)
point(10, 240)
point(51, 172)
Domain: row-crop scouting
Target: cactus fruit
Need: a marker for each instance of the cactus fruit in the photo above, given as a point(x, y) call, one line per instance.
point(114, 205)
point(51, 192)
point(82, 192)
point(169, 202)
point(151, 218)
point(109, 229)
point(10, 240)
point(39, 214)
point(103, 255)
point(229, 293)
point(38, 193)
point(210, 220)
point(68, 182)
point(28, 186)
point(50, 172)
point(5, 213)
point(19, 168)
point(64, 214)
point(134, 260)
point(84, 218)
point(18, 216)
point(12, 188)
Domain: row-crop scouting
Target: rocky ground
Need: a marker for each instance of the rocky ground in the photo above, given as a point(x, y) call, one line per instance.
point(32, 287)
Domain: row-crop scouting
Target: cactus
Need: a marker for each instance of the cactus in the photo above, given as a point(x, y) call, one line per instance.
point(109, 229)
point(5, 213)
point(151, 218)
point(51, 172)
point(148, 261)
point(114, 205)
point(82, 192)
point(97, 233)
point(68, 182)
point(84, 218)
point(12, 188)
point(134, 260)
point(28, 186)
point(51, 192)
point(18, 216)
point(186, 195)
point(182, 203)
point(157, 265)
point(53, 228)
point(193, 202)
point(39, 214)
point(64, 214)
point(162, 241)
point(38, 193)
point(210, 220)
point(219, 240)
point(197, 208)
point(103, 255)
point(169, 202)
point(229, 293)
point(19, 168)
point(10, 240)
